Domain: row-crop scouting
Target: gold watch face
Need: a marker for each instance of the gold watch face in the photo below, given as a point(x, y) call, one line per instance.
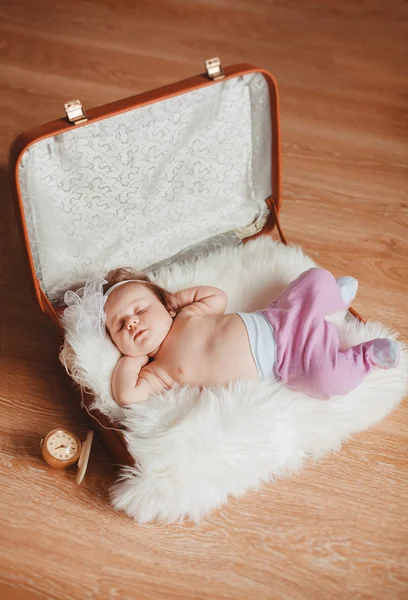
point(62, 445)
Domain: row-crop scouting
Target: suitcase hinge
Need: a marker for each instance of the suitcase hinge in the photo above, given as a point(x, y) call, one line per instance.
point(75, 112)
point(214, 70)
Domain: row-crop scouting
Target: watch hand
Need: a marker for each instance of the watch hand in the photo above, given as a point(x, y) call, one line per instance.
point(58, 447)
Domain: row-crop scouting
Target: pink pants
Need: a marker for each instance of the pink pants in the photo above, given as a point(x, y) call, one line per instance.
point(309, 358)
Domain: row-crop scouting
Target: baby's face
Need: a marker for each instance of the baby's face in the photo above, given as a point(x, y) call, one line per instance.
point(136, 319)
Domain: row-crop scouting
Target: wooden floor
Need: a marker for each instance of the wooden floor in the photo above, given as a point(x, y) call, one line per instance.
point(338, 530)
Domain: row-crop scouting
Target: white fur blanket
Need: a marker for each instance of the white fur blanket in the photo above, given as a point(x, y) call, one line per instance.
point(194, 448)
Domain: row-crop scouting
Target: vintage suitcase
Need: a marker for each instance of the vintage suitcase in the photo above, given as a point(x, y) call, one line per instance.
point(188, 165)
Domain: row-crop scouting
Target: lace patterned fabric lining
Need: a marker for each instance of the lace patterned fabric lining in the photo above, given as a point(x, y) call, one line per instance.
point(140, 187)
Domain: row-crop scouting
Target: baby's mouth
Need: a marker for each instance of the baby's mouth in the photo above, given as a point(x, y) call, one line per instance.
point(139, 333)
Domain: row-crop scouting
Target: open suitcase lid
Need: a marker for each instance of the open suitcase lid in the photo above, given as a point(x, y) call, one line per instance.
point(146, 177)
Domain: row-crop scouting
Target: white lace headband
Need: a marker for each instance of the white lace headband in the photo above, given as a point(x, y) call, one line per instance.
point(110, 290)
point(85, 308)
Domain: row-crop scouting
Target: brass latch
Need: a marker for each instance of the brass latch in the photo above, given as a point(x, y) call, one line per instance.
point(214, 70)
point(75, 112)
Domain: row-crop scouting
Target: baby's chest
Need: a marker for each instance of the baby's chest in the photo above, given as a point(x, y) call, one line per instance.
point(205, 349)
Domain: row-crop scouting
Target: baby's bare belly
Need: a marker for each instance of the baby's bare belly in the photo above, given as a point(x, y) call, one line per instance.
point(207, 350)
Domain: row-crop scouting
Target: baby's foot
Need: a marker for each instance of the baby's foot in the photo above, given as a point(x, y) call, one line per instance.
point(385, 353)
point(348, 288)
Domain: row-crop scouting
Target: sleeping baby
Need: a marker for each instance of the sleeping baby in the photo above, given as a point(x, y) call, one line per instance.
point(186, 338)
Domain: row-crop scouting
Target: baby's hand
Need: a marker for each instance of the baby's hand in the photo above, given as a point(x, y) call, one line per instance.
point(209, 300)
point(144, 360)
point(173, 302)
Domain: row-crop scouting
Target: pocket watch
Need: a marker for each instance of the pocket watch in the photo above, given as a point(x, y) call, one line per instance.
point(62, 448)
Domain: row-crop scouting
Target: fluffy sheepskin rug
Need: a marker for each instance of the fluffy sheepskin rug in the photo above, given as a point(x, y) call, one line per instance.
point(194, 448)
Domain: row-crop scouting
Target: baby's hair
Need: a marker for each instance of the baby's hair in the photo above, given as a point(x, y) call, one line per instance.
point(125, 273)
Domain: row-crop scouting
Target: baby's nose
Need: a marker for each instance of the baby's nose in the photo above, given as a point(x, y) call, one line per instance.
point(132, 322)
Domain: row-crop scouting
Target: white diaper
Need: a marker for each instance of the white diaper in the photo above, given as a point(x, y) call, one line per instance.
point(262, 341)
